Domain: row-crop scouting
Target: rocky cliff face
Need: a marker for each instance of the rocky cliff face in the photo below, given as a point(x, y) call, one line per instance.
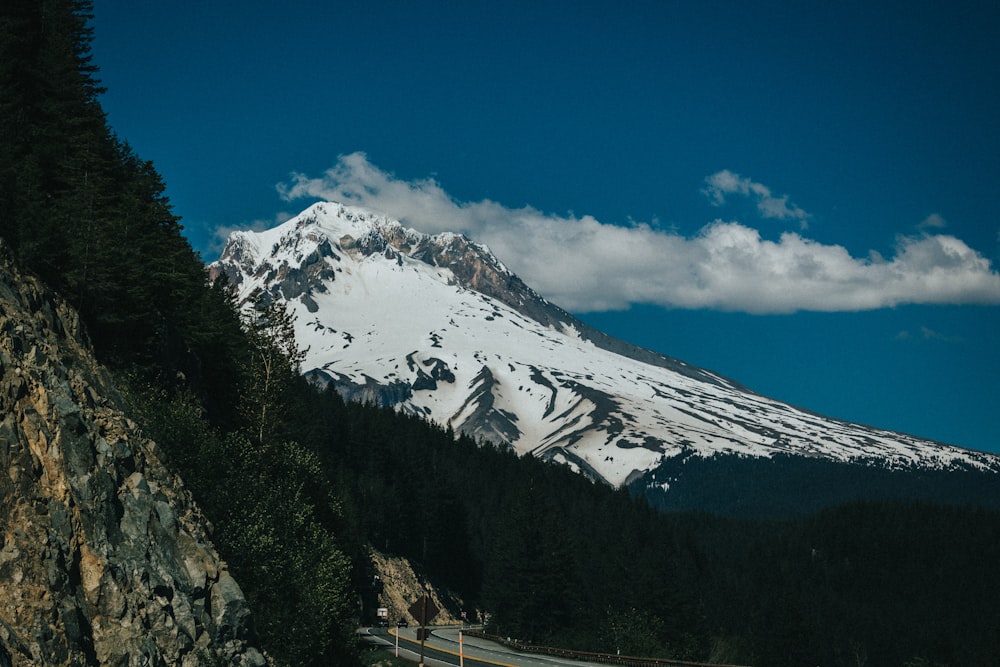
point(104, 556)
point(401, 587)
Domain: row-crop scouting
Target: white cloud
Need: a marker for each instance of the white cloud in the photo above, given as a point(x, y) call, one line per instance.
point(933, 221)
point(724, 183)
point(585, 265)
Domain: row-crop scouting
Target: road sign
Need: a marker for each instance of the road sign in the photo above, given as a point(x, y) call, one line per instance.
point(424, 610)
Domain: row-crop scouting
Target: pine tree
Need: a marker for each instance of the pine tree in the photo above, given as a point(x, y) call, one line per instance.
point(531, 577)
point(290, 565)
point(272, 367)
point(53, 134)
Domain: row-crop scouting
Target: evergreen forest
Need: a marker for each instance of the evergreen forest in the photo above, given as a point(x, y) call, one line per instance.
point(300, 485)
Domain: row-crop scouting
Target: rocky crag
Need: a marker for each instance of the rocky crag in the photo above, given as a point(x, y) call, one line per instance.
point(104, 557)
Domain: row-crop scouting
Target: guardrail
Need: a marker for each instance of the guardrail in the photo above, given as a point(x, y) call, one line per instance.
point(603, 658)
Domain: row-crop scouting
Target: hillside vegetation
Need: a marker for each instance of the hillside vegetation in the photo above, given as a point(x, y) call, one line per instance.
point(299, 484)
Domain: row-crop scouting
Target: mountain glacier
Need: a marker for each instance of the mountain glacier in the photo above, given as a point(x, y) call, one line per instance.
point(437, 326)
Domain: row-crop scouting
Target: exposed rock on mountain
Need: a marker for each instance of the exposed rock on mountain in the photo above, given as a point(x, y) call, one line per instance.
point(437, 326)
point(401, 587)
point(104, 556)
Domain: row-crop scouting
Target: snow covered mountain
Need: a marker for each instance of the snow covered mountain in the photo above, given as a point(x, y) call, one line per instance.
point(438, 326)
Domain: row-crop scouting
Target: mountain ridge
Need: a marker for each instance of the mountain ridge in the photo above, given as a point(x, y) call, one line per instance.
point(438, 326)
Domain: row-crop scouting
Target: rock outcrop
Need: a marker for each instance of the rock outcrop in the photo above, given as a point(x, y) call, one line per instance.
point(104, 557)
point(401, 587)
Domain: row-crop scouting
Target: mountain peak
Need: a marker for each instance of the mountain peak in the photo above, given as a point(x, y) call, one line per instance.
point(438, 326)
point(312, 236)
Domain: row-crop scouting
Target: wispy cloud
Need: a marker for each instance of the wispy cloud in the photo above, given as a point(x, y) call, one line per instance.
point(722, 184)
point(931, 334)
point(933, 221)
point(926, 333)
point(585, 265)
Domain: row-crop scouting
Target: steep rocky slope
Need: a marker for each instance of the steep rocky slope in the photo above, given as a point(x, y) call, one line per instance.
point(401, 587)
point(104, 556)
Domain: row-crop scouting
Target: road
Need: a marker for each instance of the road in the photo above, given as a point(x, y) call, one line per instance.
point(442, 650)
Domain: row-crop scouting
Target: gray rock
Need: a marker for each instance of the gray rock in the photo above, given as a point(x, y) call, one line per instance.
point(104, 556)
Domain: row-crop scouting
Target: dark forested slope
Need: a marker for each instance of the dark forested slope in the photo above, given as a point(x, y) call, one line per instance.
point(80, 210)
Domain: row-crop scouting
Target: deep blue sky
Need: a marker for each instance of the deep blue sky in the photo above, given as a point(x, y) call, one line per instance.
point(801, 196)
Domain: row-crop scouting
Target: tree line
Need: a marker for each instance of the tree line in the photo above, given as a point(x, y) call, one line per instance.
point(300, 485)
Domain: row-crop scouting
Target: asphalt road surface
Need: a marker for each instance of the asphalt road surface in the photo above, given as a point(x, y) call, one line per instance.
point(442, 649)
